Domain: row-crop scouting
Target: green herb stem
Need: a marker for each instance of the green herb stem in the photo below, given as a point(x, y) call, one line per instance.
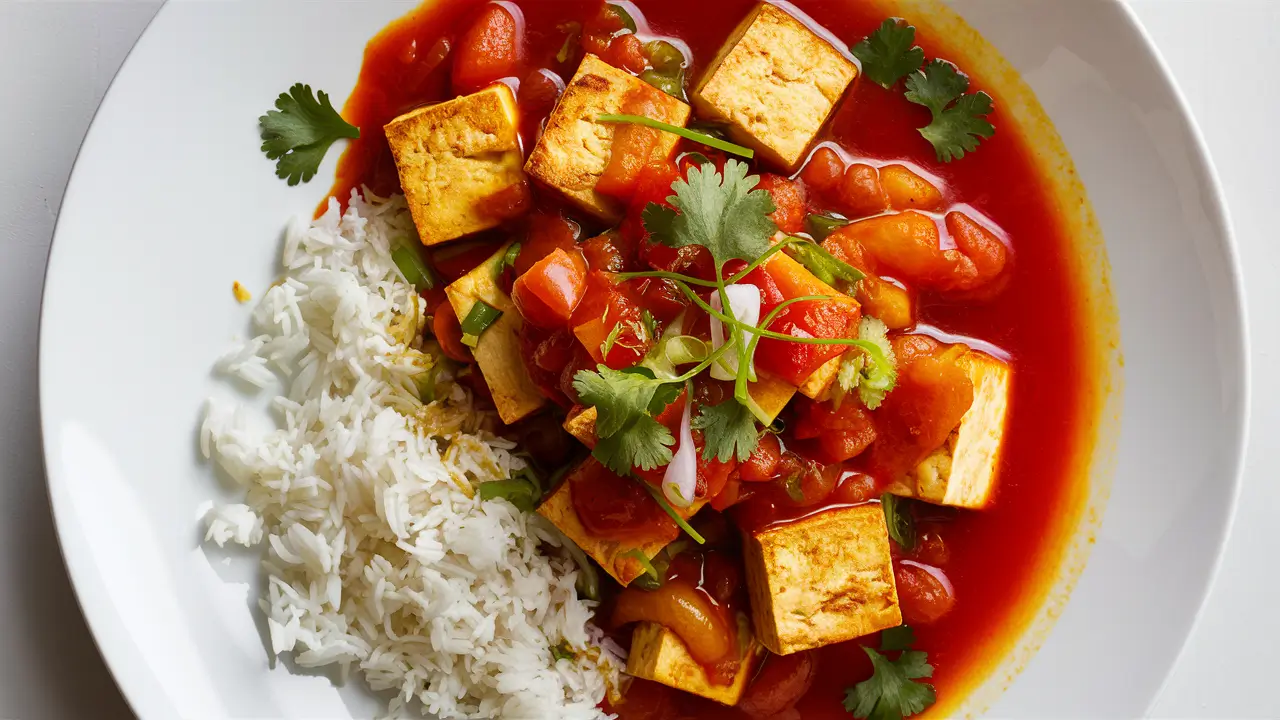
point(685, 133)
point(666, 507)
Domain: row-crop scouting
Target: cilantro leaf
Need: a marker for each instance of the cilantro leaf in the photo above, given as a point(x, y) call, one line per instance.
point(901, 524)
point(625, 401)
point(889, 53)
point(959, 128)
point(892, 693)
point(826, 267)
point(721, 213)
point(299, 132)
point(873, 375)
point(728, 429)
point(959, 121)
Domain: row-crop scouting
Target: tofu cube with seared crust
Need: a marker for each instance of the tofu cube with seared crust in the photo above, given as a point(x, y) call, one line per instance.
point(963, 472)
point(658, 654)
point(575, 148)
point(612, 555)
point(821, 580)
point(497, 349)
point(454, 158)
point(774, 83)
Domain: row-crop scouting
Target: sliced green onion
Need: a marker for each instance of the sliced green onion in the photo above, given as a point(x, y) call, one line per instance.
point(650, 324)
point(482, 315)
point(666, 507)
point(671, 83)
point(610, 339)
point(826, 267)
point(415, 271)
point(897, 515)
point(509, 257)
point(651, 579)
point(562, 651)
point(684, 349)
point(573, 33)
point(517, 491)
point(628, 22)
point(821, 226)
point(425, 382)
point(685, 133)
point(588, 584)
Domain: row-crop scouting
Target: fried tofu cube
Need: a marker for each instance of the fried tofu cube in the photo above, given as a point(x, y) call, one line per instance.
point(774, 83)
point(454, 158)
point(612, 555)
point(497, 351)
point(581, 423)
point(821, 580)
point(962, 473)
point(658, 654)
point(818, 385)
point(575, 148)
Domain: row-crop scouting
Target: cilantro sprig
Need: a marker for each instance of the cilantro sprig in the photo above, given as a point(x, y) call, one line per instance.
point(889, 53)
point(959, 120)
point(299, 132)
point(892, 692)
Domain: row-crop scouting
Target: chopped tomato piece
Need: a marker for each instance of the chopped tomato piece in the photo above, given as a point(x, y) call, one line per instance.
point(548, 294)
point(546, 355)
point(547, 232)
point(616, 508)
point(779, 685)
point(924, 598)
point(931, 397)
point(448, 332)
point(789, 199)
point(487, 51)
point(603, 254)
point(627, 52)
point(599, 31)
point(832, 435)
point(508, 203)
point(983, 256)
point(762, 464)
point(607, 305)
point(663, 299)
point(861, 194)
point(823, 171)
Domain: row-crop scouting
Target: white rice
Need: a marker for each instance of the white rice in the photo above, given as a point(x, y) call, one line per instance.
point(378, 554)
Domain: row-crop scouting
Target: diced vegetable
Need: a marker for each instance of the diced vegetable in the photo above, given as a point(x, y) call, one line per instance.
point(487, 51)
point(415, 271)
point(482, 315)
point(448, 333)
point(550, 291)
point(898, 518)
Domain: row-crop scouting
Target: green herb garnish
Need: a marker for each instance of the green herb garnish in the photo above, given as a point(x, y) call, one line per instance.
point(299, 132)
point(826, 267)
point(670, 511)
point(685, 133)
point(522, 490)
point(897, 516)
point(820, 227)
point(872, 374)
point(481, 316)
point(892, 693)
point(510, 256)
point(725, 214)
point(728, 430)
point(651, 579)
point(561, 651)
point(415, 271)
point(890, 53)
point(625, 403)
point(959, 121)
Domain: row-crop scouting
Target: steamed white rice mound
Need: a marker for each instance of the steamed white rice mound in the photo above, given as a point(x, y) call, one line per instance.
point(378, 553)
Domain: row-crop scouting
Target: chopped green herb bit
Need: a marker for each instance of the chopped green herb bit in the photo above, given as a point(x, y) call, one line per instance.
point(588, 582)
point(897, 516)
point(650, 324)
point(610, 339)
point(685, 133)
point(573, 33)
point(299, 132)
point(675, 516)
point(729, 430)
point(889, 54)
point(481, 316)
point(821, 226)
point(409, 261)
point(651, 579)
point(959, 120)
point(561, 651)
point(628, 22)
point(518, 491)
point(625, 403)
point(897, 638)
point(511, 255)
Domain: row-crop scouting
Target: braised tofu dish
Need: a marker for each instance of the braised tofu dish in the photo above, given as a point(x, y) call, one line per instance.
point(772, 301)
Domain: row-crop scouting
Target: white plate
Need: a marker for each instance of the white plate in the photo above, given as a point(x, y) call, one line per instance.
point(171, 201)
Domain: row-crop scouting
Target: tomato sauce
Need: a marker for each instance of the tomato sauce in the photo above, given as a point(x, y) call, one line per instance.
point(993, 556)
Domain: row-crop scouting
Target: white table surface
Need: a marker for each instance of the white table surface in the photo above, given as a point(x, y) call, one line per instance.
point(56, 60)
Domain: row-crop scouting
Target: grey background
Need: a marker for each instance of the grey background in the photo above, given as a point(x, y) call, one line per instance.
point(56, 60)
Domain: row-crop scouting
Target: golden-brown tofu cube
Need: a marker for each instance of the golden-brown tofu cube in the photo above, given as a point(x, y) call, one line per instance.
point(612, 555)
point(962, 473)
point(497, 350)
point(658, 654)
point(775, 82)
point(820, 580)
point(454, 157)
point(818, 385)
point(575, 148)
point(581, 423)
